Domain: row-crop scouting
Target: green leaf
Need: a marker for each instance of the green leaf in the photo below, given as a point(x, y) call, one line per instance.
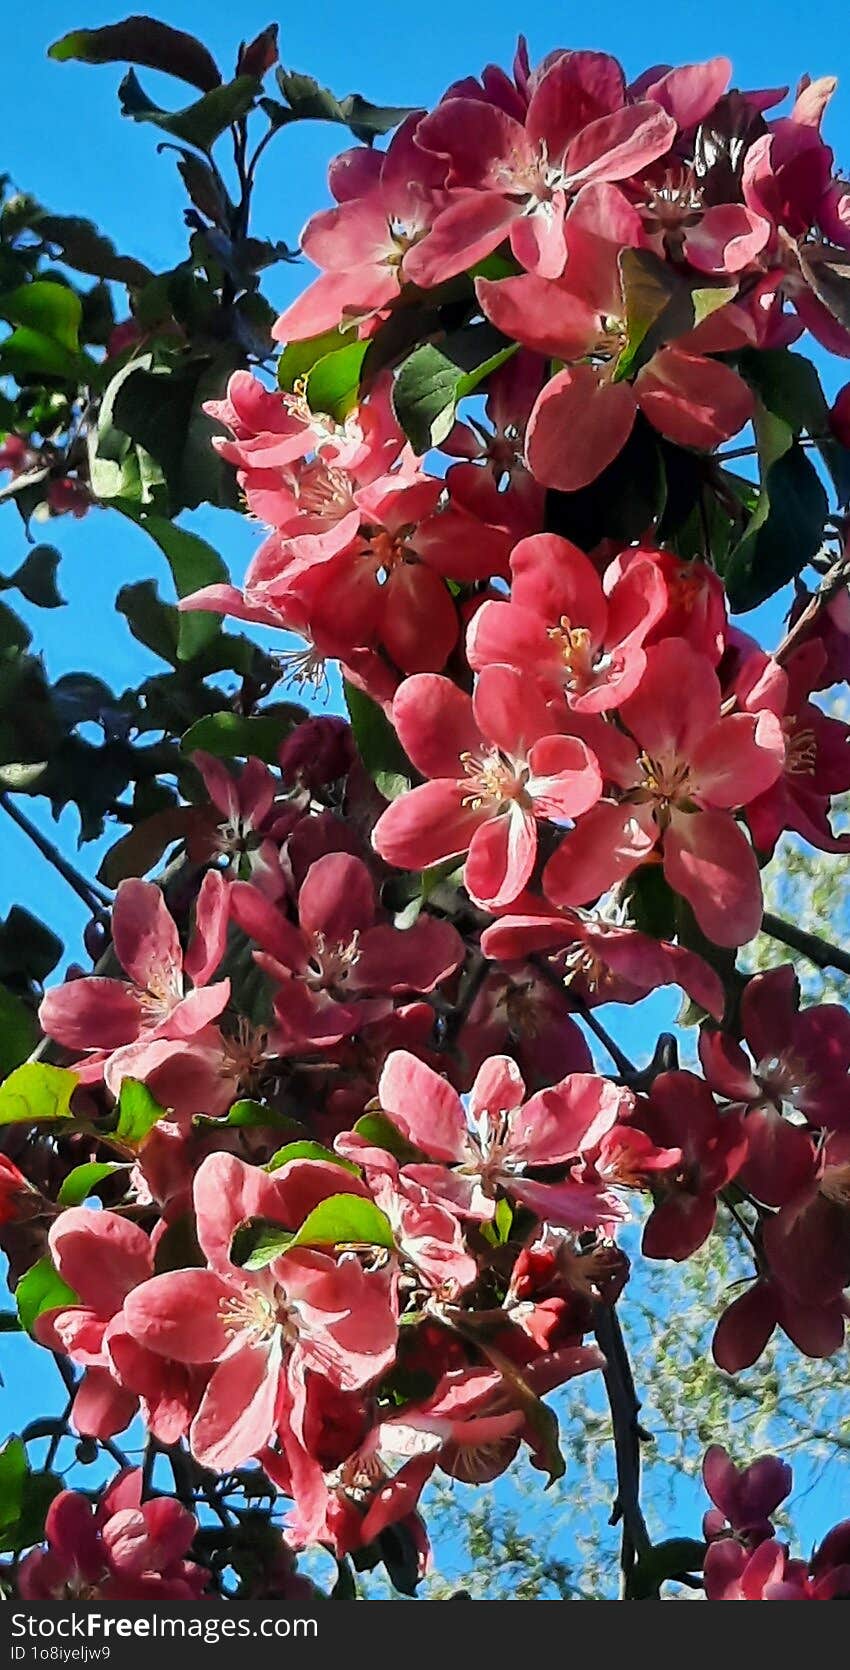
point(434, 379)
point(309, 1151)
point(161, 410)
point(36, 578)
point(13, 1471)
point(18, 1031)
point(786, 529)
point(193, 564)
point(42, 1289)
point(53, 309)
point(249, 1115)
point(27, 947)
point(664, 1561)
point(145, 41)
point(83, 1180)
point(178, 1247)
point(299, 357)
point(333, 383)
point(31, 353)
point(152, 622)
point(35, 1093)
point(83, 247)
point(622, 503)
point(138, 1112)
point(231, 736)
point(345, 1220)
point(380, 1131)
point(788, 385)
point(199, 124)
point(39, 1490)
point(341, 1220)
point(659, 305)
point(306, 100)
point(15, 635)
point(377, 744)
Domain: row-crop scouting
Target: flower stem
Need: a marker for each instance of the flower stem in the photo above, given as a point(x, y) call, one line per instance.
point(819, 951)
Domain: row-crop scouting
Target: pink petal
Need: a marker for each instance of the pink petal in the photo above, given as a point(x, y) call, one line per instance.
point(428, 824)
point(144, 934)
point(102, 1407)
point(92, 1013)
point(501, 858)
point(425, 1107)
point(209, 938)
point(100, 1255)
point(435, 724)
point(711, 863)
point(558, 1124)
point(237, 1412)
point(546, 317)
point(695, 402)
point(565, 778)
point(577, 427)
point(179, 1315)
point(607, 844)
point(337, 898)
point(266, 926)
point(510, 710)
point(498, 1087)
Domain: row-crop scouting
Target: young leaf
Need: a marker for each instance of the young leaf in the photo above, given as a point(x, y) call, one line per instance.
point(344, 1220)
point(52, 309)
point(193, 564)
point(377, 744)
point(333, 382)
point(232, 736)
point(83, 1180)
point(42, 1289)
point(18, 1030)
point(199, 124)
point(138, 1112)
point(309, 1151)
point(380, 1131)
point(36, 1093)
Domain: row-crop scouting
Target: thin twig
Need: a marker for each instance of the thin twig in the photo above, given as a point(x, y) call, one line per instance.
point(819, 951)
point(89, 891)
point(833, 580)
point(625, 1067)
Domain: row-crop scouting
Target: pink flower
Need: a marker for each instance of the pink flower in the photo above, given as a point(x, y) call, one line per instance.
point(262, 1331)
point(603, 963)
point(14, 1190)
point(386, 204)
point(98, 1014)
point(800, 1066)
point(584, 414)
point(745, 1498)
point(505, 1137)
point(327, 966)
point(578, 637)
point(683, 771)
point(817, 750)
point(103, 1257)
point(428, 1237)
point(681, 1112)
point(513, 179)
point(497, 768)
point(124, 1549)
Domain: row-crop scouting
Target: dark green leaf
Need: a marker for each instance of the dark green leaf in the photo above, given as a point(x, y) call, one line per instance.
point(230, 736)
point(377, 743)
point(82, 246)
point(193, 564)
point(178, 1247)
point(38, 1492)
point(13, 1471)
point(434, 379)
point(622, 503)
point(35, 1093)
point(257, 1242)
point(15, 635)
point(83, 1180)
point(18, 1031)
point(784, 534)
point(145, 41)
point(27, 946)
point(138, 1112)
point(152, 622)
point(36, 578)
point(253, 1115)
point(42, 1289)
point(306, 100)
point(201, 123)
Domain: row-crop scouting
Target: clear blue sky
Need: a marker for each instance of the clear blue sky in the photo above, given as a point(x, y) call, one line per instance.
point(65, 143)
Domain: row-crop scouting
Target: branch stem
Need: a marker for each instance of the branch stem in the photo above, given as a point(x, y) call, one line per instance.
point(819, 951)
point(625, 1408)
point(89, 891)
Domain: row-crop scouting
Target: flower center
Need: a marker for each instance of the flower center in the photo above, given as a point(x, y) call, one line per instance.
point(784, 1078)
point(801, 749)
point(667, 782)
point(495, 780)
point(331, 962)
point(254, 1313)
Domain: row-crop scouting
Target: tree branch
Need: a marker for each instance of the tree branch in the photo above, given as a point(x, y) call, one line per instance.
point(819, 951)
point(832, 581)
point(89, 891)
point(625, 1408)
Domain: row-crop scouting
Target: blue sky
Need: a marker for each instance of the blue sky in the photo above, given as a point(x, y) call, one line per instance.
point(65, 143)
